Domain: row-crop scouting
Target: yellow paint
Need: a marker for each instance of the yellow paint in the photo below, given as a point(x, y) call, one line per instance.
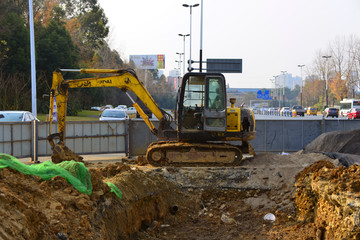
point(234, 120)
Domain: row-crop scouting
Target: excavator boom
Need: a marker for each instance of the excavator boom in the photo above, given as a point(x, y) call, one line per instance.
point(122, 79)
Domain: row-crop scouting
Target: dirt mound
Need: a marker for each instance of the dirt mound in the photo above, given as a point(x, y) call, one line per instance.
point(37, 209)
point(327, 203)
point(339, 141)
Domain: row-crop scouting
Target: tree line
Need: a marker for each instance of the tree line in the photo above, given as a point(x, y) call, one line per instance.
point(68, 34)
point(339, 66)
point(340, 69)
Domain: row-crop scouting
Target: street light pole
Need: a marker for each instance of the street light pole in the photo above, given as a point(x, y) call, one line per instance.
point(184, 35)
point(201, 35)
point(272, 91)
point(179, 64)
point(301, 89)
point(277, 90)
point(283, 72)
point(326, 81)
point(190, 6)
point(33, 62)
point(180, 61)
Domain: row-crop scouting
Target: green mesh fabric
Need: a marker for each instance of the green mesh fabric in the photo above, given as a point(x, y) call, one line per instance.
point(114, 189)
point(74, 172)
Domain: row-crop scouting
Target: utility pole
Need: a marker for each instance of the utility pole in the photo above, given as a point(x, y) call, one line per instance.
point(283, 72)
point(190, 6)
point(180, 61)
point(301, 87)
point(184, 35)
point(278, 89)
point(201, 35)
point(326, 80)
point(32, 53)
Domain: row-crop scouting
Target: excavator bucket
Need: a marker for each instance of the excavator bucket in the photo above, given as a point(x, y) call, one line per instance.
point(60, 152)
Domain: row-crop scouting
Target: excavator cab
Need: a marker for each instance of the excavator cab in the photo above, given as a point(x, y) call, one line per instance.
point(201, 106)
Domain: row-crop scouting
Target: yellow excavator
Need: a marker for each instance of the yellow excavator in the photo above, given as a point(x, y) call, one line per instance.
point(204, 123)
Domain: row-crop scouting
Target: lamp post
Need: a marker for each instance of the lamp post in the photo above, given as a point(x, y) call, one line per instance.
point(201, 35)
point(190, 6)
point(272, 93)
point(301, 87)
point(277, 90)
point(184, 35)
point(33, 63)
point(283, 72)
point(179, 73)
point(326, 81)
point(180, 61)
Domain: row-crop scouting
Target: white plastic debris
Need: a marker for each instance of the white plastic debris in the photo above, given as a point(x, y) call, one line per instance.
point(225, 218)
point(270, 217)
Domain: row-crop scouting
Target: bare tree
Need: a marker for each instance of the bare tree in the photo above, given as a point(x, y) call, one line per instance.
point(354, 65)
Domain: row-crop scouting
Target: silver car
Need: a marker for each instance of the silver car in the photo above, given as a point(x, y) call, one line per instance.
point(113, 114)
point(17, 116)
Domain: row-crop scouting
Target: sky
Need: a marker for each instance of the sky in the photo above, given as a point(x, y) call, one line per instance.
point(269, 35)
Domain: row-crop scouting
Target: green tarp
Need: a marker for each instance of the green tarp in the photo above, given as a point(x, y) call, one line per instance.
point(74, 172)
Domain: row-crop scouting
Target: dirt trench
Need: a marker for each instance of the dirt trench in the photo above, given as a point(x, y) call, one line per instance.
point(307, 196)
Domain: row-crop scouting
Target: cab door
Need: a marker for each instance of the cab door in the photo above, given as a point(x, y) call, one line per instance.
point(215, 103)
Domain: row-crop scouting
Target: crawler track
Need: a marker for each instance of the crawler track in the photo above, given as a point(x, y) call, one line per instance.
point(193, 154)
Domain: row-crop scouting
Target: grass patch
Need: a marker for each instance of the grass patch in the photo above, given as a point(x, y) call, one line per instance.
point(89, 113)
point(85, 115)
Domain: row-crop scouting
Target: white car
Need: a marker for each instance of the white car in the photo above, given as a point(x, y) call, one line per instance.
point(131, 110)
point(113, 114)
point(344, 112)
point(284, 111)
point(17, 116)
point(106, 107)
point(123, 107)
point(96, 108)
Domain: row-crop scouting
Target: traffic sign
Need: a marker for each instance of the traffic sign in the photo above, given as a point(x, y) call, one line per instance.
point(224, 65)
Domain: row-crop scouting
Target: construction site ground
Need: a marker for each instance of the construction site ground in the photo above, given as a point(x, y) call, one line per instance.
point(303, 195)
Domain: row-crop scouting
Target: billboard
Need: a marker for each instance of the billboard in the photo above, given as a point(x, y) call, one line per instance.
point(148, 61)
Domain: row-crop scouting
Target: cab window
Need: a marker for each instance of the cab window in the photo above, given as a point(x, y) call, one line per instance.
point(215, 93)
point(194, 92)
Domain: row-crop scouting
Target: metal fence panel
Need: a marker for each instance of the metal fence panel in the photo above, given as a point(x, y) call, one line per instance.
point(273, 135)
point(351, 125)
point(16, 138)
point(334, 125)
point(311, 130)
point(293, 135)
point(140, 137)
point(133, 136)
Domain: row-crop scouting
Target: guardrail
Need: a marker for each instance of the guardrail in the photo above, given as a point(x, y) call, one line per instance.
point(132, 137)
point(270, 112)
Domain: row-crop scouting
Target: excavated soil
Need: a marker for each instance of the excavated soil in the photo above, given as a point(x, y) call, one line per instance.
point(270, 196)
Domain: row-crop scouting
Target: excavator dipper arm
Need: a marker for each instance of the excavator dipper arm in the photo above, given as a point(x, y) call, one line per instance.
point(122, 79)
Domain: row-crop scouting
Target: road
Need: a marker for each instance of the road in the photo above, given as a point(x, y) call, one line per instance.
point(306, 117)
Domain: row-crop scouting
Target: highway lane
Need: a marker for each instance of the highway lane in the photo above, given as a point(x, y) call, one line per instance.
point(306, 117)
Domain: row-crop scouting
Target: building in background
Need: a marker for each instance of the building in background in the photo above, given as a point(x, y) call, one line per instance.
point(290, 81)
point(174, 79)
